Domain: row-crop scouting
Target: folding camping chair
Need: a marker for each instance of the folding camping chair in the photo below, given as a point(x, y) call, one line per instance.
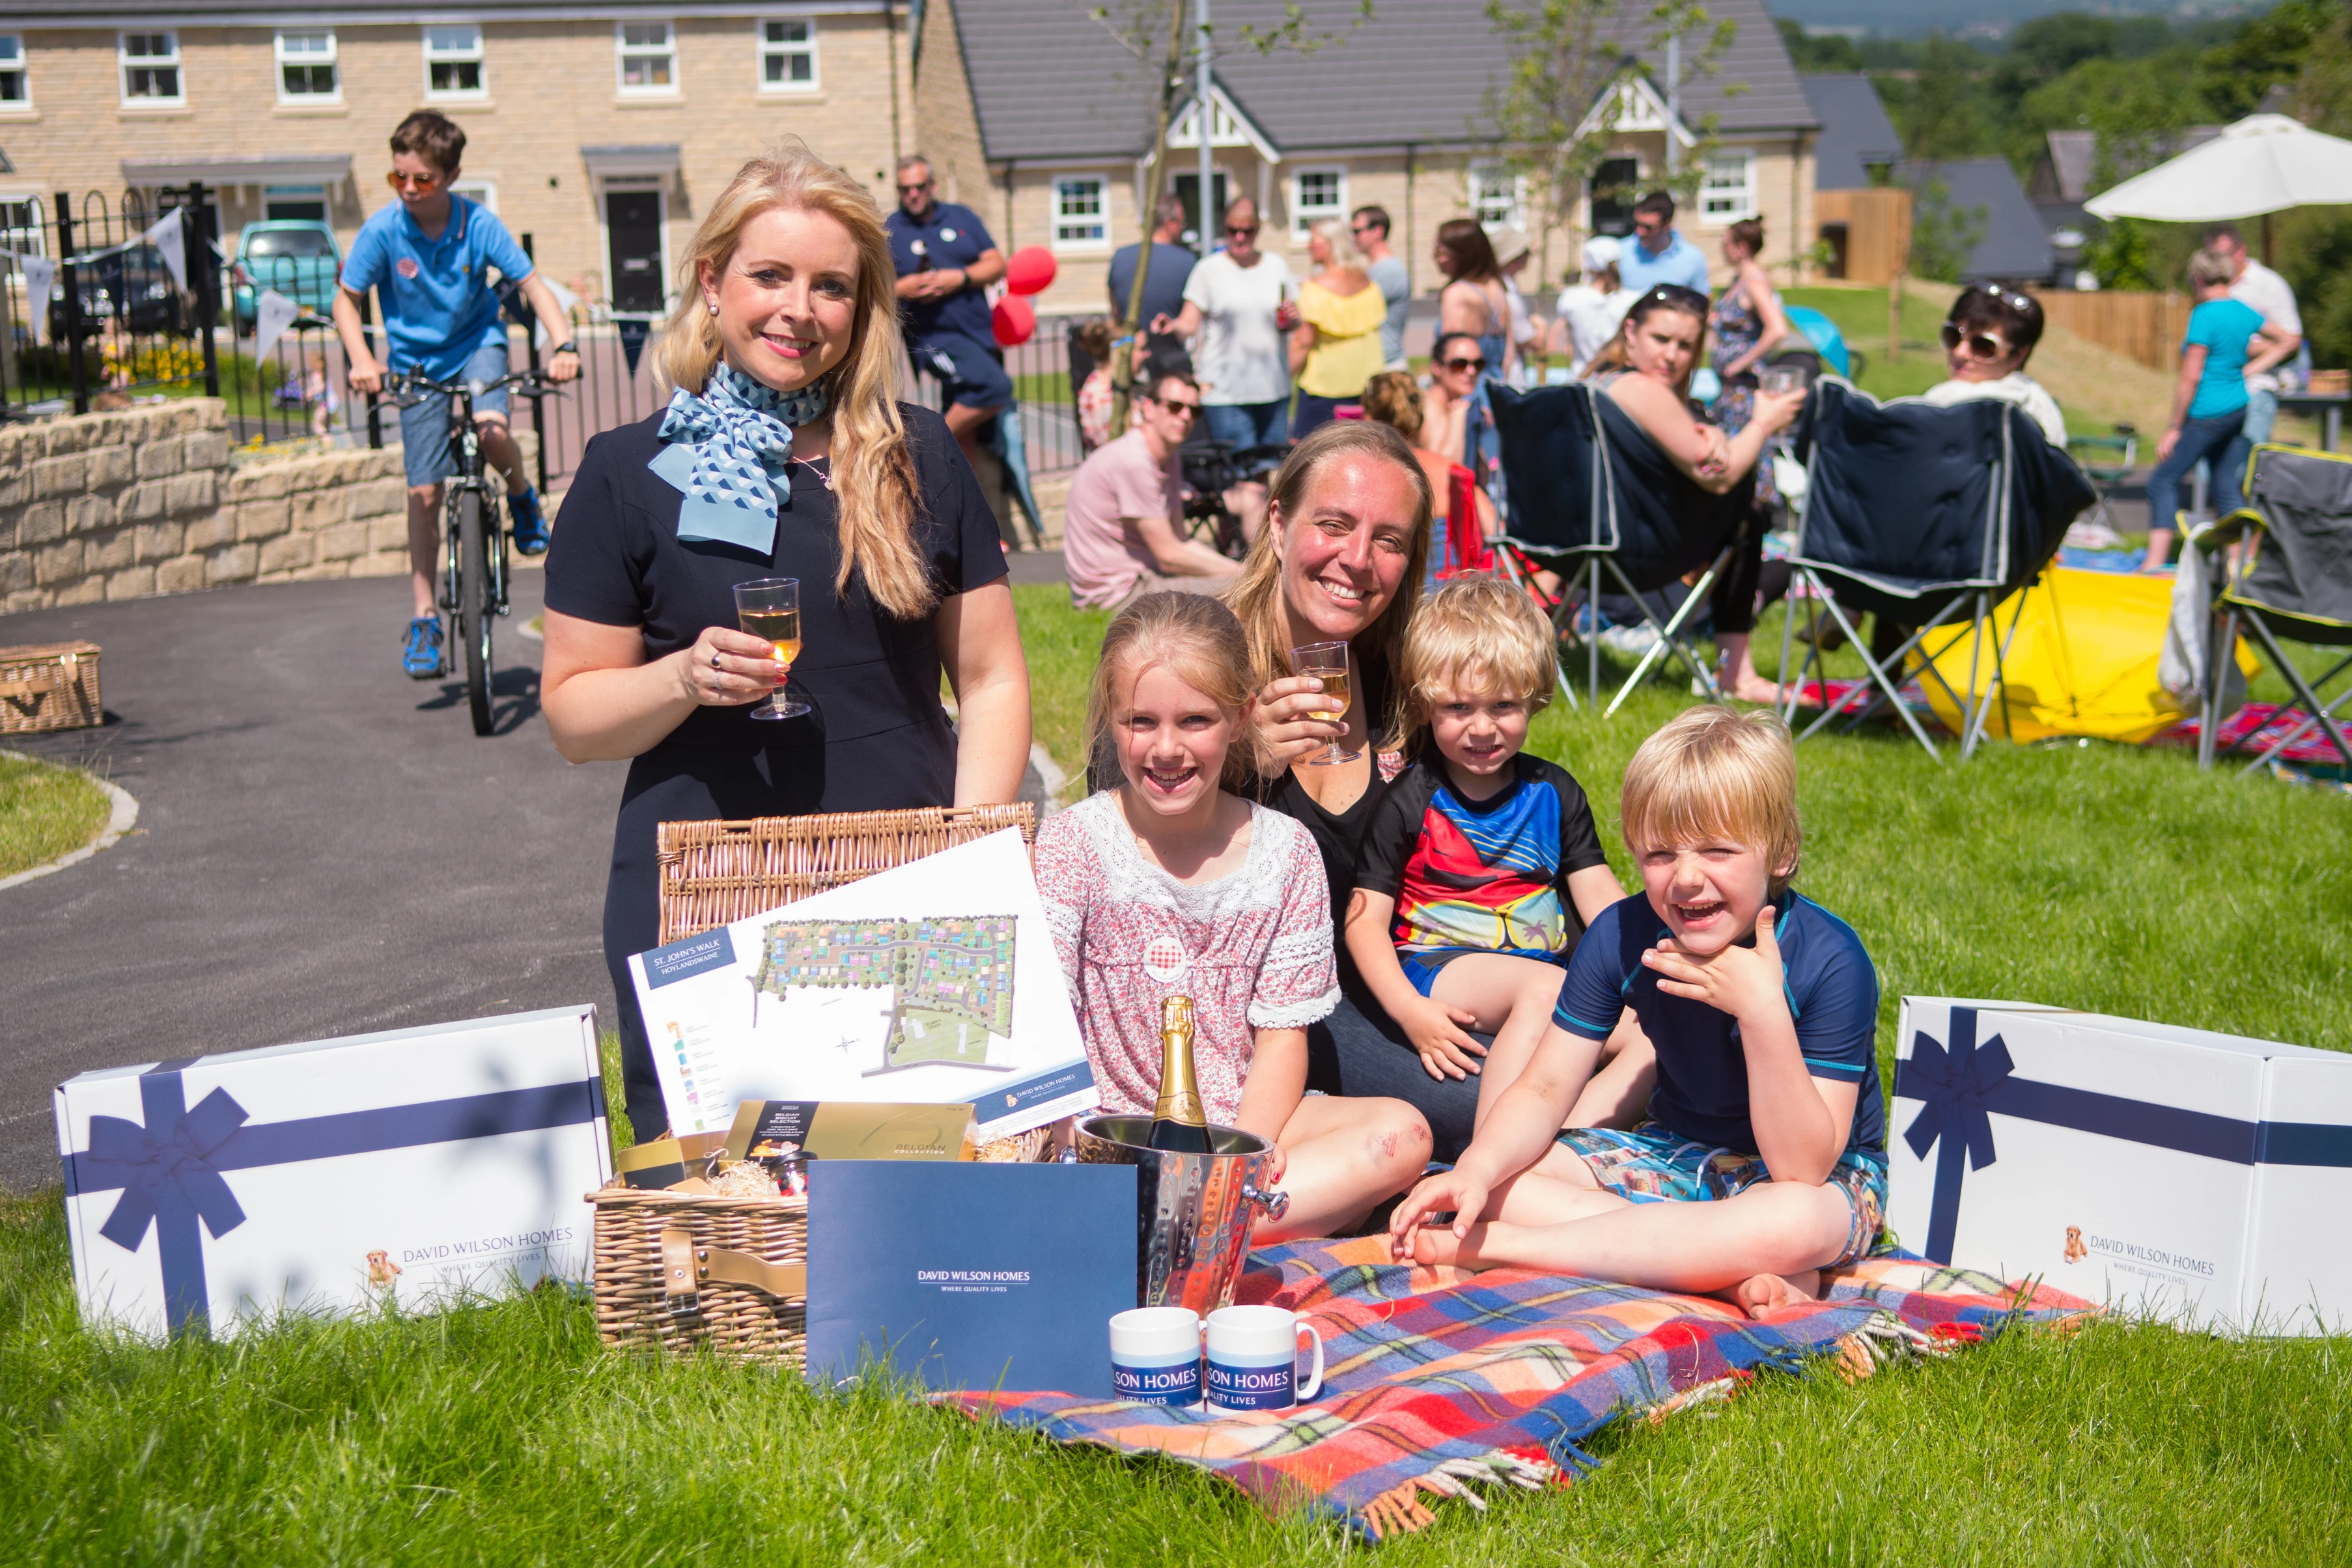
point(1588, 492)
point(2292, 579)
point(2107, 461)
point(1930, 515)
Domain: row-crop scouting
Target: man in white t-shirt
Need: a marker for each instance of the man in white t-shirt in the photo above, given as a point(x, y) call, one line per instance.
point(1120, 531)
point(1591, 311)
point(1239, 301)
point(2253, 284)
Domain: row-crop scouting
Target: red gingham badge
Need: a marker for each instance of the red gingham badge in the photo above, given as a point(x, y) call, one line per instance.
point(406, 266)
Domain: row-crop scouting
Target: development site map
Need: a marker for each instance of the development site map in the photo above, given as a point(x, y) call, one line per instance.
point(949, 977)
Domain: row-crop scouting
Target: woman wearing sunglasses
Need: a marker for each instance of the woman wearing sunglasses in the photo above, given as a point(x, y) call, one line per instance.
point(1988, 338)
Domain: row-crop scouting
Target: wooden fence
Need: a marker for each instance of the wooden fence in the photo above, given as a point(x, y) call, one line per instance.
point(2145, 327)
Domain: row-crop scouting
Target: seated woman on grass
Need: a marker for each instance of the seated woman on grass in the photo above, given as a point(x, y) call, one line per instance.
point(1646, 371)
point(1765, 1157)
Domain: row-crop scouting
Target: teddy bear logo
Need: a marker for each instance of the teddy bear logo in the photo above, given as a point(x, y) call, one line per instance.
point(2076, 1251)
point(381, 1269)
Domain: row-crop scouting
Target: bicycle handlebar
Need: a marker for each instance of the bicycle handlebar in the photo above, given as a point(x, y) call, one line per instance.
point(409, 388)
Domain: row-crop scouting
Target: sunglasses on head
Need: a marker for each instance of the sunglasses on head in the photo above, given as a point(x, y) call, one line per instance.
point(422, 182)
point(1981, 345)
point(1460, 364)
point(1675, 294)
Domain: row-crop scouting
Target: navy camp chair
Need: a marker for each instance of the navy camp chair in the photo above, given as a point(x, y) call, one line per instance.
point(1929, 516)
point(2292, 579)
point(1588, 493)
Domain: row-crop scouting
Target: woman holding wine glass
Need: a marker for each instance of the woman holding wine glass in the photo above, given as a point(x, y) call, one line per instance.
point(782, 459)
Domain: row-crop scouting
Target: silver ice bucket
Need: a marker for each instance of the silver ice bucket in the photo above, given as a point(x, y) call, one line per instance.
point(1193, 1212)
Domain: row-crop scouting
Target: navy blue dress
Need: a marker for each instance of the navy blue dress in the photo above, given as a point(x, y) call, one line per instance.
point(877, 739)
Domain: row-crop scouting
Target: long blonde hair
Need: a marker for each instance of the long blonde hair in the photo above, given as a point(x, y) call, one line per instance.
point(873, 468)
point(1256, 594)
point(1201, 644)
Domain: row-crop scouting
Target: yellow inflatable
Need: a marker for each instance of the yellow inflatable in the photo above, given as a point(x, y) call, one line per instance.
point(2083, 661)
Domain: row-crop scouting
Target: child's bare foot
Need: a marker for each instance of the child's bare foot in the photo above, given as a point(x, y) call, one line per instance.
point(1767, 1293)
point(1756, 689)
point(1433, 1244)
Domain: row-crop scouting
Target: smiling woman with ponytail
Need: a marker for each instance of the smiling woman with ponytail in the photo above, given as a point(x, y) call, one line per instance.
point(783, 452)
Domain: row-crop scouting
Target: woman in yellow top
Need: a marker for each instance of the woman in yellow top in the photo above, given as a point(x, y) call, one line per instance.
point(1337, 348)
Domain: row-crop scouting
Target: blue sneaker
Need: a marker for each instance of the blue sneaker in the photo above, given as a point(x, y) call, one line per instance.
point(529, 526)
point(422, 656)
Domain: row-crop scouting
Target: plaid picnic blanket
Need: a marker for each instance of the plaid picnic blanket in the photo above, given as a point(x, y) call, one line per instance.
point(1438, 1378)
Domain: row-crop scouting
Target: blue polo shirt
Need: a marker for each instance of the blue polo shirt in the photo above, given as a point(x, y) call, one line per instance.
point(438, 304)
point(1701, 1093)
point(952, 237)
point(1680, 262)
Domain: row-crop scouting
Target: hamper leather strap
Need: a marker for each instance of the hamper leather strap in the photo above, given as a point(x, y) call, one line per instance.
point(685, 1265)
point(34, 686)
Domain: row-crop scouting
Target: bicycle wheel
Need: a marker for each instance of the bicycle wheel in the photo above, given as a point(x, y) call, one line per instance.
point(474, 606)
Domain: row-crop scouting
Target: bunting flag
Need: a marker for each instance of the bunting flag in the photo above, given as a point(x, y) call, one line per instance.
point(164, 233)
point(40, 282)
point(272, 314)
point(632, 339)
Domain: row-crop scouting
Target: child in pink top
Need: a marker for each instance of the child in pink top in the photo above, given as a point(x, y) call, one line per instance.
point(1172, 885)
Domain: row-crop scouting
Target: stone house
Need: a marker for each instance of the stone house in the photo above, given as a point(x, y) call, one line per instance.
point(603, 131)
point(1038, 116)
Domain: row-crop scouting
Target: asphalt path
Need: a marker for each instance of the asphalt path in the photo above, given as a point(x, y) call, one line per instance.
point(324, 847)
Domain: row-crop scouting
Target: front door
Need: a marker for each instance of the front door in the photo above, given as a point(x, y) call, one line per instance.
point(1612, 196)
point(1188, 190)
point(632, 222)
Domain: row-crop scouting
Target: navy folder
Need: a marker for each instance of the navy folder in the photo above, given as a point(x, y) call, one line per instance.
point(969, 1275)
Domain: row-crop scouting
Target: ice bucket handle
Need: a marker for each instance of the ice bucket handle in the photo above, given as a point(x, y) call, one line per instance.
point(1273, 1204)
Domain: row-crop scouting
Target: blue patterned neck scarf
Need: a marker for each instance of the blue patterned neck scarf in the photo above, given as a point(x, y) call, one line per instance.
point(740, 432)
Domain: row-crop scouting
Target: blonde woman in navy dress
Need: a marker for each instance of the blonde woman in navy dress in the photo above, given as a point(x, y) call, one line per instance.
point(784, 453)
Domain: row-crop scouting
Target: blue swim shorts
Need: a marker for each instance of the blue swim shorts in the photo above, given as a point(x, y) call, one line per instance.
point(1651, 1165)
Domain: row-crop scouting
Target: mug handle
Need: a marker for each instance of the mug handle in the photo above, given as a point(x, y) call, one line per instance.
point(1315, 1386)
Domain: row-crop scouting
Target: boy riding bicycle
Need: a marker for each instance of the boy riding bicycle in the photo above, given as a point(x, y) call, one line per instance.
point(429, 257)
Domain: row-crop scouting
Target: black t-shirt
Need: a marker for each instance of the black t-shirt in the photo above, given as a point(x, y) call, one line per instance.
point(617, 560)
point(1488, 874)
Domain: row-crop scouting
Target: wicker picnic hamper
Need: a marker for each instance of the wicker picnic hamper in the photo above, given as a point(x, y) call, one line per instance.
point(48, 686)
point(679, 1272)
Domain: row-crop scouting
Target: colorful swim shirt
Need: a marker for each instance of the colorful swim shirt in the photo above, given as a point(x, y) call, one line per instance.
point(1489, 875)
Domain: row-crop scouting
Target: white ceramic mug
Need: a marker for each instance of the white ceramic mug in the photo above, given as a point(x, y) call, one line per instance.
point(1254, 1359)
point(1155, 1355)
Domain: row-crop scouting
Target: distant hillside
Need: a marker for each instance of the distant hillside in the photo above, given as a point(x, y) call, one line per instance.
point(1916, 17)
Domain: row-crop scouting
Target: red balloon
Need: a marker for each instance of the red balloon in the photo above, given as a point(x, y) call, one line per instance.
point(1030, 271)
point(1015, 321)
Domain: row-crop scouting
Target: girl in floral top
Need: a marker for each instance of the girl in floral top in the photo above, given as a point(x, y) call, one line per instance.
point(1172, 885)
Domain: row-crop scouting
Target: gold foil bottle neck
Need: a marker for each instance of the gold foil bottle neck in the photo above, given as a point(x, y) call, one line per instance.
point(1179, 1088)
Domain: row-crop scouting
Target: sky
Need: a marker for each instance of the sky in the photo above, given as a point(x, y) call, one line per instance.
point(1911, 16)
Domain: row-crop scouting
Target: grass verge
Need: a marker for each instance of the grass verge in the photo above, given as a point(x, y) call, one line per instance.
point(2099, 877)
point(45, 811)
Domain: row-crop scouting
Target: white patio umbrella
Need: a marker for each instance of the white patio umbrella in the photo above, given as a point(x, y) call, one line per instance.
point(2264, 164)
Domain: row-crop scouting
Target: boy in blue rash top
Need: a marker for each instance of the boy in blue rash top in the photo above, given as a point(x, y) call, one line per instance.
point(428, 255)
point(1764, 1157)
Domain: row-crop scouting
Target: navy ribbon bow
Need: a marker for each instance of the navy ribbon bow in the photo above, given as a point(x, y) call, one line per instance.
point(171, 1170)
point(1956, 1085)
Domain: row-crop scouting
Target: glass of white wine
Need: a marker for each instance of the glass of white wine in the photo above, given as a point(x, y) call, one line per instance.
point(1327, 661)
point(770, 609)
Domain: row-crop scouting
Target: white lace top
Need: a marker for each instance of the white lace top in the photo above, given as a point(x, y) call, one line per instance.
point(1252, 949)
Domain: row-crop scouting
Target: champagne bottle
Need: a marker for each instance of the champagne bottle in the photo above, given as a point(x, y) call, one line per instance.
point(1178, 1124)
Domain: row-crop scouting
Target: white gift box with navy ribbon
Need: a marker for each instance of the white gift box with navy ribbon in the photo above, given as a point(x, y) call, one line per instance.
point(415, 1166)
point(2201, 1177)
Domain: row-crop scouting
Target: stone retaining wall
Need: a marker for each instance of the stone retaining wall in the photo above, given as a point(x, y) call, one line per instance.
point(148, 500)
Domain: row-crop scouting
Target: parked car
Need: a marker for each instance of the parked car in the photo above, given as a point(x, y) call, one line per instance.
point(132, 288)
point(297, 256)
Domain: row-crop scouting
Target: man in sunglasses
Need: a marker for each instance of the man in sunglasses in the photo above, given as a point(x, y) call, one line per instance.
point(428, 255)
point(1122, 531)
point(1988, 337)
point(1658, 254)
point(945, 260)
point(1239, 301)
point(1369, 228)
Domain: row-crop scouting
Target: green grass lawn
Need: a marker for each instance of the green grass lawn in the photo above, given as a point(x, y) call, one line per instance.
point(2096, 877)
point(45, 811)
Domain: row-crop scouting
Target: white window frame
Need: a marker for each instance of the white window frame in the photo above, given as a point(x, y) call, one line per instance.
point(1299, 216)
point(455, 57)
point(624, 51)
point(14, 63)
point(31, 240)
point(332, 59)
point(270, 194)
point(1720, 205)
point(126, 62)
point(482, 192)
point(1488, 204)
point(1102, 181)
point(768, 49)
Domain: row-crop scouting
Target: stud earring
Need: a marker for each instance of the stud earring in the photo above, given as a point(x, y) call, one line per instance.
point(714, 307)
